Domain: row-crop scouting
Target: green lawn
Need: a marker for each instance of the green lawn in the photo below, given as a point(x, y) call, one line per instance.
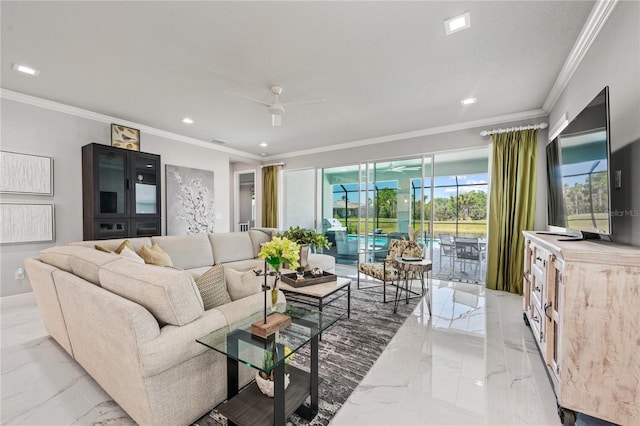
point(471, 228)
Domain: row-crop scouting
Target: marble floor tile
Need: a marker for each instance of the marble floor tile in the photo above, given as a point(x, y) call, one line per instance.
point(473, 362)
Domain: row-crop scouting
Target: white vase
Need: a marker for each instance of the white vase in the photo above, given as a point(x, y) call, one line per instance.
point(266, 386)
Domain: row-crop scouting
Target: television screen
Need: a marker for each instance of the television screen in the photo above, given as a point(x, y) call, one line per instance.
point(578, 172)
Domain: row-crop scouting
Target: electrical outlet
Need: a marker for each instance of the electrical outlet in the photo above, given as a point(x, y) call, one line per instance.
point(19, 274)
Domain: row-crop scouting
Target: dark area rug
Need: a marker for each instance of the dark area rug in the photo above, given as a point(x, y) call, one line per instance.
point(347, 350)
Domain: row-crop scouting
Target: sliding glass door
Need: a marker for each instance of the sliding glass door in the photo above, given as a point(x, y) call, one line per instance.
point(460, 189)
point(432, 199)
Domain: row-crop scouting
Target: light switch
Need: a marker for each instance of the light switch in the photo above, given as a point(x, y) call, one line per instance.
point(617, 179)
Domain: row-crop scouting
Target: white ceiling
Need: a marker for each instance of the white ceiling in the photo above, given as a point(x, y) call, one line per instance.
point(385, 68)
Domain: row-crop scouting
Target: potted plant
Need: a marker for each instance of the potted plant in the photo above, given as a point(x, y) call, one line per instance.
point(307, 239)
point(264, 381)
point(303, 236)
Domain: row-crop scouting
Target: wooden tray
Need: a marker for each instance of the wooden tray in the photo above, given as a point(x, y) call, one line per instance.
point(309, 279)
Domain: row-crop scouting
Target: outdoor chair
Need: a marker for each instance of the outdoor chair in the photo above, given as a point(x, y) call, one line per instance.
point(345, 248)
point(384, 271)
point(447, 248)
point(469, 251)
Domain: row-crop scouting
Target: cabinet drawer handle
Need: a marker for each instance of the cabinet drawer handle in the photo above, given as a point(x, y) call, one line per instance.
point(546, 308)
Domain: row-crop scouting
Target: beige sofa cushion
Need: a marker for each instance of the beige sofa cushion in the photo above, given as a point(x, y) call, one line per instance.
point(241, 284)
point(323, 261)
point(231, 246)
point(187, 251)
point(176, 345)
point(169, 294)
point(245, 265)
point(84, 262)
point(258, 238)
point(137, 243)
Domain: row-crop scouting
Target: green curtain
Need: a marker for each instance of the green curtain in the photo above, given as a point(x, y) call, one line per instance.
point(270, 196)
point(511, 207)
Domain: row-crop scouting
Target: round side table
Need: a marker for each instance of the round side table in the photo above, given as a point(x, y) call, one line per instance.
point(405, 266)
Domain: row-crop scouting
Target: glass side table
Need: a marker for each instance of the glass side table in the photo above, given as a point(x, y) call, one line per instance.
point(249, 406)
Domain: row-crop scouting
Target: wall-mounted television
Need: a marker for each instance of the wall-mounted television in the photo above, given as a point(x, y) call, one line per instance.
point(579, 201)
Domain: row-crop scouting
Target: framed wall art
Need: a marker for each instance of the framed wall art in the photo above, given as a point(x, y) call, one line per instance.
point(25, 174)
point(125, 137)
point(26, 223)
point(189, 200)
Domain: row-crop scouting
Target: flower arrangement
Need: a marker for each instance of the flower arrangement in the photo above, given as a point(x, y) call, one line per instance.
point(275, 253)
point(280, 250)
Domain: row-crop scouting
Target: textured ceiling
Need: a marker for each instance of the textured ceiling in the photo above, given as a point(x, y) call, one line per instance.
point(385, 68)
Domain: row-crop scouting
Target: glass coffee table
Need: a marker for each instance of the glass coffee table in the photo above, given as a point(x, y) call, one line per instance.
point(249, 406)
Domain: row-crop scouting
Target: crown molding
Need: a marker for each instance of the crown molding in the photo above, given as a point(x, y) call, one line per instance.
point(596, 20)
point(90, 115)
point(518, 116)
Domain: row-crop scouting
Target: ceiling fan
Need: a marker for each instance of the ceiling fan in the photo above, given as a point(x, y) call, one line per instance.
point(276, 108)
point(401, 168)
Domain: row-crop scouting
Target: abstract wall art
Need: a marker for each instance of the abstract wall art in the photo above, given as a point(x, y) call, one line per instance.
point(190, 208)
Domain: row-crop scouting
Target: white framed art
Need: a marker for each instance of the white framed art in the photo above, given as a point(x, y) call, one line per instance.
point(25, 174)
point(26, 223)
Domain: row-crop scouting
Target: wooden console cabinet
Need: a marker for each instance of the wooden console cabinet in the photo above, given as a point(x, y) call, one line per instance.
point(582, 301)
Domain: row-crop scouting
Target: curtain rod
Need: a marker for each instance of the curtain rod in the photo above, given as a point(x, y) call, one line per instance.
point(272, 164)
point(513, 129)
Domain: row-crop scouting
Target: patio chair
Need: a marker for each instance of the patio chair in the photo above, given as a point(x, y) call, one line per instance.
point(384, 271)
point(447, 248)
point(468, 251)
point(344, 247)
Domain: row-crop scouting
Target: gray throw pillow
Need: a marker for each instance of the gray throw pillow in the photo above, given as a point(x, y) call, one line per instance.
point(212, 288)
point(242, 284)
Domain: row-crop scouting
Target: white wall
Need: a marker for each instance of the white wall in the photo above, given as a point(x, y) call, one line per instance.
point(614, 60)
point(34, 130)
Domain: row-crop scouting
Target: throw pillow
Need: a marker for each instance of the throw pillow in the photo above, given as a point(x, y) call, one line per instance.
point(104, 249)
point(212, 288)
point(242, 284)
point(154, 255)
point(125, 243)
point(129, 254)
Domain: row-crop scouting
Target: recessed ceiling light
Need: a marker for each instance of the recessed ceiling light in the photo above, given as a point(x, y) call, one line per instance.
point(457, 23)
point(187, 120)
point(264, 144)
point(25, 69)
point(468, 101)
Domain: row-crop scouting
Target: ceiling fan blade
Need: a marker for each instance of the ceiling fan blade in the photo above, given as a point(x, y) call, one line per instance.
point(306, 102)
point(247, 98)
point(276, 120)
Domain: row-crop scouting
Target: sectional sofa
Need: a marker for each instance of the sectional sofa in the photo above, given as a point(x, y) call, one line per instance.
point(133, 327)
